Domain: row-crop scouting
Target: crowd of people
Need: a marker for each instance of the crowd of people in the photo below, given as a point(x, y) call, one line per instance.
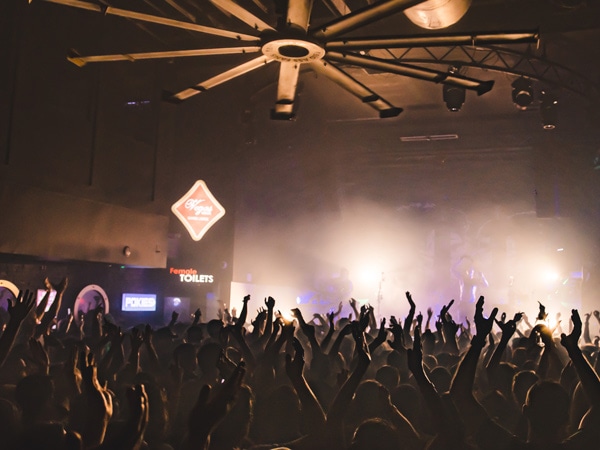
point(273, 380)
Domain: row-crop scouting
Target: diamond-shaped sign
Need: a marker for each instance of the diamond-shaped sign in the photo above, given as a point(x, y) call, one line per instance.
point(198, 210)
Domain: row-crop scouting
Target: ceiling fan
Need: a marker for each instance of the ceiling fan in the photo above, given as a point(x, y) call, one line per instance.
point(294, 43)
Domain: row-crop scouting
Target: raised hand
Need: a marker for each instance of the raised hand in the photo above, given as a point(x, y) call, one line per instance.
point(444, 311)
point(137, 339)
point(363, 320)
point(294, 366)
point(174, 317)
point(483, 325)
point(542, 314)
point(415, 354)
point(410, 300)
point(570, 342)
point(398, 333)
point(60, 287)
point(39, 355)
point(270, 303)
point(196, 316)
point(308, 330)
point(361, 348)
point(132, 433)
point(21, 307)
point(94, 406)
point(508, 327)
point(207, 413)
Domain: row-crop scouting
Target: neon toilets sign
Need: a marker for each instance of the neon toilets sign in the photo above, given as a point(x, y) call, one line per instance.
point(198, 210)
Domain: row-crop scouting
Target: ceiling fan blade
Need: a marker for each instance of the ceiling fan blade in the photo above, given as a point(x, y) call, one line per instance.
point(363, 16)
point(390, 66)
point(109, 10)
point(298, 14)
point(242, 14)
point(369, 43)
point(286, 91)
point(356, 88)
point(221, 78)
point(81, 61)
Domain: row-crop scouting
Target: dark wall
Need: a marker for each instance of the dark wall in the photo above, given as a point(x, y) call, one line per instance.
point(107, 157)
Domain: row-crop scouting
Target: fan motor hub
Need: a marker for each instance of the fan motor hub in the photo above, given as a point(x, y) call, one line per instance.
point(293, 50)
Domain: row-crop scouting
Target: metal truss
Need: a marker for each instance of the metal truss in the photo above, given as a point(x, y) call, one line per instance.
point(498, 59)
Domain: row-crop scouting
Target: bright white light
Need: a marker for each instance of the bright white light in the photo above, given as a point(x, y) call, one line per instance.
point(287, 315)
point(560, 249)
point(298, 300)
point(369, 275)
point(550, 276)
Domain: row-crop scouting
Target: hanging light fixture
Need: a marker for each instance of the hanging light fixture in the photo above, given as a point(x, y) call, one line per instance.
point(522, 93)
point(454, 97)
point(549, 110)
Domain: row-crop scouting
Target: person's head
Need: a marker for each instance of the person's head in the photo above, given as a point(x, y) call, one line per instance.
point(370, 400)
point(34, 394)
point(232, 430)
point(214, 327)
point(408, 401)
point(428, 342)
point(185, 355)
point(49, 436)
point(277, 415)
point(441, 379)
point(388, 376)
point(503, 378)
point(547, 411)
point(522, 382)
point(208, 356)
point(194, 334)
point(376, 434)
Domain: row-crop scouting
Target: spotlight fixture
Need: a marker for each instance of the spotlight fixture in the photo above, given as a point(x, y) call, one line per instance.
point(522, 93)
point(549, 110)
point(454, 97)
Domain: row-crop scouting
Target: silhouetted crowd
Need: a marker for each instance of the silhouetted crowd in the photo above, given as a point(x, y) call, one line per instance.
point(282, 380)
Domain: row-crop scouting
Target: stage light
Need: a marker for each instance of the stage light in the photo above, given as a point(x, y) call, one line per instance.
point(454, 97)
point(549, 110)
point(369, 275)
point(522, 93)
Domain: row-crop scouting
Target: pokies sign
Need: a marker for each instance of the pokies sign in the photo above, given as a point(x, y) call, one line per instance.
point(198, 210)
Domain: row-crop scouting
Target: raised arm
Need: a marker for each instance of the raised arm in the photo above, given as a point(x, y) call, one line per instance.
point(461, 389)
point(587, 375)
point(50, 315)
point(409, 319)
point(207, 413)
point(327, 339)
point(270, 304)
point(341, 402)
point(586, 329)
point(18, 311)
point(380, 338)
point(508, 329)
point(309, 332)
point(312, 412)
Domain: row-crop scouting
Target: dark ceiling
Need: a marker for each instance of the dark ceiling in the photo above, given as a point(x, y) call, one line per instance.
point(565, 59)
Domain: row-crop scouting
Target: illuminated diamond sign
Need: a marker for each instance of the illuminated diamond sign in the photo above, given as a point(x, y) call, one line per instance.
point(198, 210)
